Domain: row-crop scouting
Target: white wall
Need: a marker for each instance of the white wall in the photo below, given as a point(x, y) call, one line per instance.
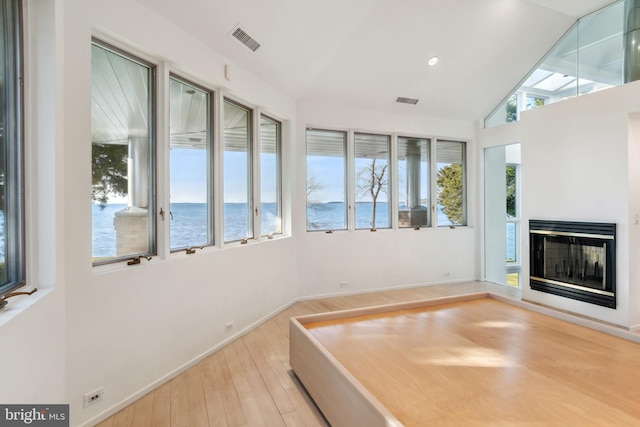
point(634, 220)
point(576, 165)
point(130, 327)
point(386, 258)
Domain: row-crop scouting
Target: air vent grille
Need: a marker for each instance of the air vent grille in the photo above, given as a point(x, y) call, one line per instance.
point(411, 101)
point(244, 38)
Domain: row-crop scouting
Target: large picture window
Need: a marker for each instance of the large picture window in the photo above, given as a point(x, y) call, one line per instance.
point(371, 166)
point(238, 220)
point(326, 180)
point(190, 159)
point(122, 120)
point(270, 199)
point(12, 253)
point(451, 183)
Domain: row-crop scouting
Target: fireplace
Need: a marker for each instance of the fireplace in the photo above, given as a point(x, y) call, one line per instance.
point(574, 259)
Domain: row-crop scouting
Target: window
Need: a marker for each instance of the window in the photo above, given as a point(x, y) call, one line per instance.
point(413, 182)
point(190, 158)
point(513, 224)
point(122, 120)
point(371, 168)
point(270, 200)
point(326, 180)
point(12, 255)
point(589, 57)
point(512, 213)
point(534, 102)
point(238, 221)
point(451, 183)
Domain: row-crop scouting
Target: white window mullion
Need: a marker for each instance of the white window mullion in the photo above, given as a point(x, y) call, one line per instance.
point(217, 174)
point(162, 159)
point(433, 184)
point(351, 181)
point(255, 193)
point(393, 182)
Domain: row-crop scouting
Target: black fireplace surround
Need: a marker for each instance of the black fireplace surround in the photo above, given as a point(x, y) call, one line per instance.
point(574, 259)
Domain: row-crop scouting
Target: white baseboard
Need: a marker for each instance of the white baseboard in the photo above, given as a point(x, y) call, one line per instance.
point(595, 324)
point(387, 288)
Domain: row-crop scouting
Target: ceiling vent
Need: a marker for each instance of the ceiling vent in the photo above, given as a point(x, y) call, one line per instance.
point(244, 38)
point(411, 101)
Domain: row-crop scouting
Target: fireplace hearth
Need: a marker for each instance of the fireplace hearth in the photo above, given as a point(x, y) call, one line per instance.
point(574, 260)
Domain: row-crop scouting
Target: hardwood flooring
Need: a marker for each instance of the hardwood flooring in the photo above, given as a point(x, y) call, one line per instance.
point(485, 362)
point(249, 382)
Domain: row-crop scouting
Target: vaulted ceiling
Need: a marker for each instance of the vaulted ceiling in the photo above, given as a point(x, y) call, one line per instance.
point(366, 53)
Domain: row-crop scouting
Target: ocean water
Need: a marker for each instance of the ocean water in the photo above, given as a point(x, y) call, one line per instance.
point(330, 216)
point(189, 223)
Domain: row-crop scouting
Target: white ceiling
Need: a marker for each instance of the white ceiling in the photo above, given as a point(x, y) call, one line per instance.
point(366, 53)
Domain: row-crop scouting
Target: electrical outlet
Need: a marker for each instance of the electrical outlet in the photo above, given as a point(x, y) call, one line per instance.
point(93, 397)
point(228, 327)
point(344, 284)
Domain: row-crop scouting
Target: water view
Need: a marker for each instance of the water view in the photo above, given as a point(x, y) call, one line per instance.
point(189, 223)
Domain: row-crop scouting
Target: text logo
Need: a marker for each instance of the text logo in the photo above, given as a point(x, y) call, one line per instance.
point(34, 415)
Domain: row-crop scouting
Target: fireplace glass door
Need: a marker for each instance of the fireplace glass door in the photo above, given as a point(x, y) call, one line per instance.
point(575, 260)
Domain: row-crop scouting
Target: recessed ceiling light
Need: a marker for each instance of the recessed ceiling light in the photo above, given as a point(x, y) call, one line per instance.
point(433, 61)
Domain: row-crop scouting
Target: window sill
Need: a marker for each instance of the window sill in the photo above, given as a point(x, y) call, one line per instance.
point(20, 304)
point(207, 250)
point(252, 241)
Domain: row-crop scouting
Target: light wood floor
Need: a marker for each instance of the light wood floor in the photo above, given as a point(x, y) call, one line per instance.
point(249, 382)
point(486, 362)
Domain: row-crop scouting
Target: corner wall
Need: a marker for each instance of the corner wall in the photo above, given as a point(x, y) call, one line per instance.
point(130, 328)
point(577, 165)
point(387, 258)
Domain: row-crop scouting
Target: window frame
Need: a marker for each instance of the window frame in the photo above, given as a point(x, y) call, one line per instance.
point(251, 165)
point(390, 171)
point(152, 163)
point(15, 244)
point(278, 154)
point(515, 265)
point(427, 180)
point(345, 169)
point(436, 193)
point(210, 156)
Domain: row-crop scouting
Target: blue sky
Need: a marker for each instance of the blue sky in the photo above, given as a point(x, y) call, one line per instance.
point(189, 176)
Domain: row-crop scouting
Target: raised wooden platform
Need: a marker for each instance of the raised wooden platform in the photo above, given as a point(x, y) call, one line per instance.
point(464, 360)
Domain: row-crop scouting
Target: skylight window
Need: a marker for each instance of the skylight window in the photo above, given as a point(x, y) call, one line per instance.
point(588, 58)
